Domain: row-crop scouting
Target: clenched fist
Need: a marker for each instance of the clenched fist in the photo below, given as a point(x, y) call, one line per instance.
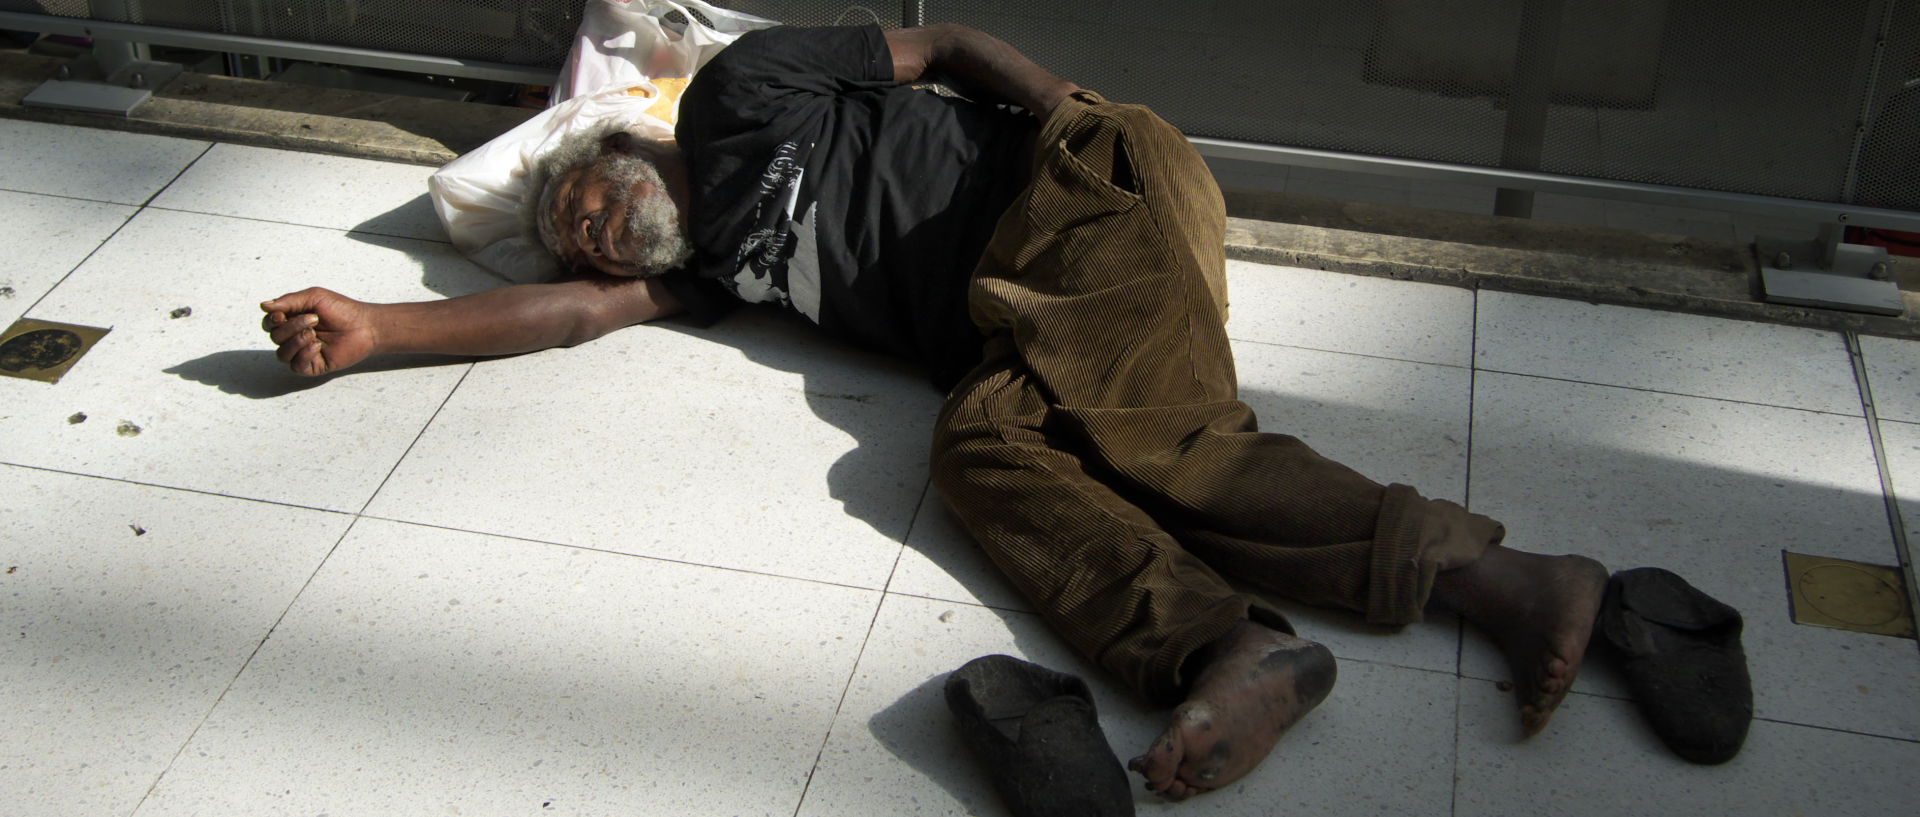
point(320, 331)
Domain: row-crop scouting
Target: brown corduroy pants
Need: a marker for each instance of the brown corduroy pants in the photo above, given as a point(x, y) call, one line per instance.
point(1100, 454)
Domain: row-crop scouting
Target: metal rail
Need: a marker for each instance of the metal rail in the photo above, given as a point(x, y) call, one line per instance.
point(1800, 209)
point(285, 49)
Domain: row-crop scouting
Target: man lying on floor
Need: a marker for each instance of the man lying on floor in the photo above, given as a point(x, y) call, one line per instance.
point(1060, 268)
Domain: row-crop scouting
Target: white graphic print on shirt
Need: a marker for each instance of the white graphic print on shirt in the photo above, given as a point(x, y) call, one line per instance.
point(779, 239)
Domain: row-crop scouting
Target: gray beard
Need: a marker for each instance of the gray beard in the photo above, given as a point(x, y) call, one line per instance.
point(653, 219)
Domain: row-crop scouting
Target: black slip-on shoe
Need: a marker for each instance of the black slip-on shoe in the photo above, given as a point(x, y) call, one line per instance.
point(1680, 651)
point(1036, 734)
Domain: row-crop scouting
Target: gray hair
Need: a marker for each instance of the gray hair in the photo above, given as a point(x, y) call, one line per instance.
point(655, 217)
point(536, 209)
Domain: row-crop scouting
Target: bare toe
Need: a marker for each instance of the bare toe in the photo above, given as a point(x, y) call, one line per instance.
point(1160, 761)
point(1256, 684)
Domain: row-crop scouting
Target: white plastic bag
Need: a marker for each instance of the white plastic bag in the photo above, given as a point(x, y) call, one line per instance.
point(627, 43)
point(629, 64)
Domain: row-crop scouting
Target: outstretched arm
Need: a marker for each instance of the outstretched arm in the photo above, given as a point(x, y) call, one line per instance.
point(320, 331)
point(980, 62)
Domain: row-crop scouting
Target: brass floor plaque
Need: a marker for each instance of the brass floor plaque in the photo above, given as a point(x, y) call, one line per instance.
point(42, 350)
point(1848, 595)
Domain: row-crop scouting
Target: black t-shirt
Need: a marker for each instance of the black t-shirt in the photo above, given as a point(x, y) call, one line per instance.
point(820, 185)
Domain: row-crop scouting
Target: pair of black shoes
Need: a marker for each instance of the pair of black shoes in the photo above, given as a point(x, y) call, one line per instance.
point(1038, 735)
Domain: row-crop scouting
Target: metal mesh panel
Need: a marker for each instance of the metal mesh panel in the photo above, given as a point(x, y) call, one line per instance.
point(521, 32)
point(1736, 95)
point(61, 8)
point(1888, 173)
point(1786, 98)
point(517, 32)
point(820, 12)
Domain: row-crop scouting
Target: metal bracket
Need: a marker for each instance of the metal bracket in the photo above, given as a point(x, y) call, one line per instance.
point(116, 78)
point(1828, 273)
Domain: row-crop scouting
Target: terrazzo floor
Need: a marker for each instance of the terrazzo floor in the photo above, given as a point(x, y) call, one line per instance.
point(698, 571)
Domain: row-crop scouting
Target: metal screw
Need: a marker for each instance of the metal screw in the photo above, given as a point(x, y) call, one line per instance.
point(64, 72)
point(139, 80)
point(1783, 260)
point(1878, 271)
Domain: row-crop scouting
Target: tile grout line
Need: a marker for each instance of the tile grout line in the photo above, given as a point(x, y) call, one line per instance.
point(137, 210)
point(18, 192)
point(345, 230)
point(1645, 390)
point(202, 492)
point(1902, 556)
point(359, 514)
point(853, 672)
point(1278, 345)
point(590, 549)
point(83, 259)
point(1460, 622)
point(918, 503)
point(294, 599)
point(1473, 385)
point(1476, 369)
point(1834, 729)
point(1453, 793)
point(176, 177)
point(257, 647)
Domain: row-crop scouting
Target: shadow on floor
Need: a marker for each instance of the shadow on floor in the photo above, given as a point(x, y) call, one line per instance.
point(258, 374)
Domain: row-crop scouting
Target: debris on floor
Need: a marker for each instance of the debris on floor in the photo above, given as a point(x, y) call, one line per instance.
point(181, 312)
point(127, 429)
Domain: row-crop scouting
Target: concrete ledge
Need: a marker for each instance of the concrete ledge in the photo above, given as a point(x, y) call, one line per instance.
point(1517, 255)
point(1594, 264)
point(281, 115)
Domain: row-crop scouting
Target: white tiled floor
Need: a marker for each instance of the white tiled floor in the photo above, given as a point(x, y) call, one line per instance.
point(1893, 367)
point(687, 571)
point(96, 165)
point(250, 182)
point(46, 237)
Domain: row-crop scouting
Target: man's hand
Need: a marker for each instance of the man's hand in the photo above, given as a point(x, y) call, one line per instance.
point(320, 331)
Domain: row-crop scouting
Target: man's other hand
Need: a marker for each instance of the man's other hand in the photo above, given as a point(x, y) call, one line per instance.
point(319, 331)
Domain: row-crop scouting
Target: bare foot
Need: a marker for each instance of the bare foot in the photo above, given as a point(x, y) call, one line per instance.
point(1257, 683)
point(1540, 611)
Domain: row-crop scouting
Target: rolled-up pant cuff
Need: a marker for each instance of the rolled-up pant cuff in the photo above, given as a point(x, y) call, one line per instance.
point(1415, 539)
point(1165, 681)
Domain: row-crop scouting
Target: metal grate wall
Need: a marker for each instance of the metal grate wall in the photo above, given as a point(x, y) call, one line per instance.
point(517, 32)
point(1888, 171)
point(1769, 97)
point(1813, 101)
